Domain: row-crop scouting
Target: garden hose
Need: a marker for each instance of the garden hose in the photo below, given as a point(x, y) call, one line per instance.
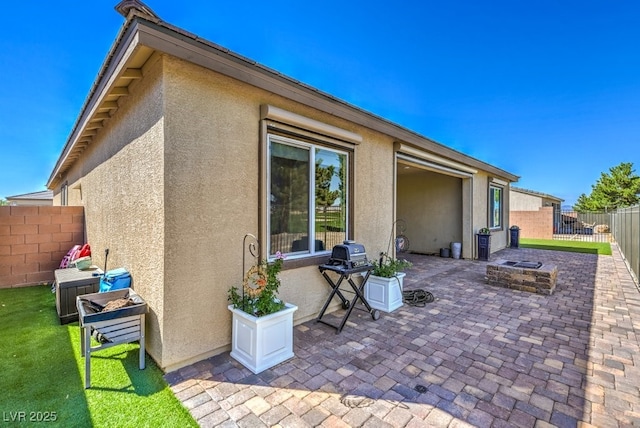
point(417, 297)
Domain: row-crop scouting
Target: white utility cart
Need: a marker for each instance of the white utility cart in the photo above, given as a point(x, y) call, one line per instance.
point(113, 326)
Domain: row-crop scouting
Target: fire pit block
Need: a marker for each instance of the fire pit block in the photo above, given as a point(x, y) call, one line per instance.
point(534, 277)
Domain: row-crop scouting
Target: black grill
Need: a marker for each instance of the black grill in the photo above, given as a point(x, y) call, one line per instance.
point(349, 255)
point(347, 259)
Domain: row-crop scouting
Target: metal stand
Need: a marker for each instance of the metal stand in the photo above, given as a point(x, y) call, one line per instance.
point(117, 326)
point(357, 290)
point(119, 331)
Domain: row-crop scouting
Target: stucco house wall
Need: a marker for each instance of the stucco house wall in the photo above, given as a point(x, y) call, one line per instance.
point(211, 203)
point(529, 200)
point(431, 206)
point(120, 182)
point(524, 202)
point(171, 183)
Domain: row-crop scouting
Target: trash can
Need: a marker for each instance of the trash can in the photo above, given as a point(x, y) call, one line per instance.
point(484, 246)
point(514, 237)
point(456, 250)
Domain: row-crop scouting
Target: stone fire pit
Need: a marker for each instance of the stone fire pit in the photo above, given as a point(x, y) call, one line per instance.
point(534, 277)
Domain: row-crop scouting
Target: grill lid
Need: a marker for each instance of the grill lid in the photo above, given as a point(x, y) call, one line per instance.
point(349, 253)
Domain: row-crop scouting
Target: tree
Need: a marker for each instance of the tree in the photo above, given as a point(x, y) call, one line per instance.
point(3, 202)
point(325, 197)
point(617, 189)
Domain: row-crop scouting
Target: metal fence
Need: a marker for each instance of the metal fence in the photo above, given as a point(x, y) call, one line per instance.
point(621, 226)
point(625, 225)
point(580, 226)
point(330, 229)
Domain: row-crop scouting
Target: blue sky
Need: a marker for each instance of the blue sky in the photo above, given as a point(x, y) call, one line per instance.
point(547, 90)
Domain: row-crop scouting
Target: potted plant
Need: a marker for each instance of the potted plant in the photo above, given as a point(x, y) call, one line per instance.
point(262, 324)
point(383, 289)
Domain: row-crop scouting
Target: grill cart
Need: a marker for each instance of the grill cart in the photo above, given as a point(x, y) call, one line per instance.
point(112, 318)
point(346, 260)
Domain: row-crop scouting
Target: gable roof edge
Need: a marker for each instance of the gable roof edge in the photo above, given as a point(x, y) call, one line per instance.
point(164, 37)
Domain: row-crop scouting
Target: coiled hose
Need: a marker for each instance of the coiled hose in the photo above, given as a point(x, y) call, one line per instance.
point(417, 298)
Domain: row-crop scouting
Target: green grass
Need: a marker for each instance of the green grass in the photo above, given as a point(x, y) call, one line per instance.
point(42, 371)
point(601, 248)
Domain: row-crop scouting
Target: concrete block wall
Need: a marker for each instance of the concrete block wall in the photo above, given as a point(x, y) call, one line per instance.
point(33, 241)
point(533, 224)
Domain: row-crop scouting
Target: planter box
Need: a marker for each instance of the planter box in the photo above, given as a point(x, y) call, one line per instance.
point(262, 342)
point(484, 246)
point(384, 294)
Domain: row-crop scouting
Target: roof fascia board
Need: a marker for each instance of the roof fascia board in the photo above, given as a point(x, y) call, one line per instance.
point(206, 54)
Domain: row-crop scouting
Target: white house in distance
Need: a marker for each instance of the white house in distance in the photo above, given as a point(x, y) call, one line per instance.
point(534, 212)
point(42, 198)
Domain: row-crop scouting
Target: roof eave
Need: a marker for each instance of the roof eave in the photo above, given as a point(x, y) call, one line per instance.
point(113, 65)
point(140, 31)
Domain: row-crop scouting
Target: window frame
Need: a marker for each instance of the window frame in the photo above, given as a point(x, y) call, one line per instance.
point(311, 145)
point(64, 194)
point(276, 120)
point(491, 207)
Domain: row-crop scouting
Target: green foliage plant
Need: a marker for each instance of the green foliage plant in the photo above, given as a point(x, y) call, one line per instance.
point(388, 267)
point(619, 188)
point(484, 231)
point(258, 296)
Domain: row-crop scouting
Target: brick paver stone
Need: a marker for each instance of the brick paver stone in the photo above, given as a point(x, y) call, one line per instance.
point(478, 356)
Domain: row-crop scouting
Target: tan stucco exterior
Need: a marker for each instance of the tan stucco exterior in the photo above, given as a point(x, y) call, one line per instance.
point(171, 184)
point(527, 200)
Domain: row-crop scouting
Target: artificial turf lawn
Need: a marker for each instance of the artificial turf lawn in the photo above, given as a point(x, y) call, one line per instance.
point(42, 373)
point(601, 248)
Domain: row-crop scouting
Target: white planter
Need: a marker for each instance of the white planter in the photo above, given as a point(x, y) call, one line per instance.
point(384, 294)
point(262, 342)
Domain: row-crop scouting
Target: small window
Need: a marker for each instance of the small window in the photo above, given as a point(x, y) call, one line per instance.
point(495, 207)
point(64, 194)
point(307, 197)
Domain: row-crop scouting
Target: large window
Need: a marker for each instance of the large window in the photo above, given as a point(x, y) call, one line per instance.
point(495, 207)
point(307, 185)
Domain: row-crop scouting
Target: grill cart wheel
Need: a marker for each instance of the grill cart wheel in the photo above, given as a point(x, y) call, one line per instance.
point(375, 314)
point(345, 304)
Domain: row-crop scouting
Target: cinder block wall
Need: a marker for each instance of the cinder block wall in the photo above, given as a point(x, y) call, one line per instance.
point(534, 224)
point(33, 240)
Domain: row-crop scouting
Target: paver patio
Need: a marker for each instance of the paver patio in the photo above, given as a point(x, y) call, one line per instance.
point(478, 355)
